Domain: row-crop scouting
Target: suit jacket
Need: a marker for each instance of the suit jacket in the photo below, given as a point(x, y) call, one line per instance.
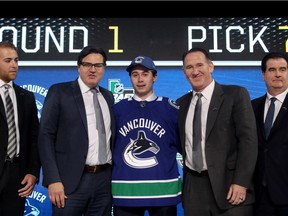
point(273, 152)
point(63, 136)
point(28, 128)
point(230, 143)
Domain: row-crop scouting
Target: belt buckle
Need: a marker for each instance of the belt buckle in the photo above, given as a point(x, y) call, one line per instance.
point(94, 168)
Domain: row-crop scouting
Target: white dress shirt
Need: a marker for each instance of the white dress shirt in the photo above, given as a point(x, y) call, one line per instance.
point(92, 157)
point(206, 98)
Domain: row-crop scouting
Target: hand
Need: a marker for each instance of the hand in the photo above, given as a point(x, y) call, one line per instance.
point(56, 194)
point(236, 194)
point(29, 182)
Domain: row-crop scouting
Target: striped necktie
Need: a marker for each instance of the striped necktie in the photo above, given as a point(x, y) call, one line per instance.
point(11, 148)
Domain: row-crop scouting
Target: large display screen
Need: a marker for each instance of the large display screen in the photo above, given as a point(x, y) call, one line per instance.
point(230, 41)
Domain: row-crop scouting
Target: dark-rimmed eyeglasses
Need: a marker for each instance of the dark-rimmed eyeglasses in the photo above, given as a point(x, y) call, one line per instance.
point(89, 65)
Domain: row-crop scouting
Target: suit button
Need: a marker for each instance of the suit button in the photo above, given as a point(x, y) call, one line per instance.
point(265, 150)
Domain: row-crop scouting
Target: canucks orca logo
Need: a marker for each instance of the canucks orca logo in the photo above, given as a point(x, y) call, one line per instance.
point(30, 210)
point(134, 151)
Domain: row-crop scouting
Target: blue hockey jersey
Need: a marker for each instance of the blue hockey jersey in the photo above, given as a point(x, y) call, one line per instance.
point(145, 170)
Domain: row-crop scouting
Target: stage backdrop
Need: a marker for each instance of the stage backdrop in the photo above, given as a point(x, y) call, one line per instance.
point(171, 82)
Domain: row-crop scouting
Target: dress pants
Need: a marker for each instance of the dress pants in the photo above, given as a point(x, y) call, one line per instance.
point(92, 197)
point(10, 182)
point(198, 198)
point(265, 206)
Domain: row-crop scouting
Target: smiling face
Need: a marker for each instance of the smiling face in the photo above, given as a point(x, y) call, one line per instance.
point(198, 70)
point(90, 74)
point(142, 81)
point(276, 75)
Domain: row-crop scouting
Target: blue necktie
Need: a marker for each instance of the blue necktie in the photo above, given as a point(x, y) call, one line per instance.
point(268, 125)
point(197, 136)
point(269, 117)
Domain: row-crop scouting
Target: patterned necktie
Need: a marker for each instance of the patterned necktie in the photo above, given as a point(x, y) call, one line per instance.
point(100, 127)
point(11, 148)
point(197, 136)
point(269, 117)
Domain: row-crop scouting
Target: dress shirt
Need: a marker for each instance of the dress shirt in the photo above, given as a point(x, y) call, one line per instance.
point(278, 103)
point(92, 156)
point(151, 97)
point(206, 98)
point(14, 101)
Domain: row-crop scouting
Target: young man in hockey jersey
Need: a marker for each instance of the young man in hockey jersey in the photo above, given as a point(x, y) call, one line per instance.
point(145, 174)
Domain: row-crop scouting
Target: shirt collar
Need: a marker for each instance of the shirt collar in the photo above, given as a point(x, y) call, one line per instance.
point(151, 97)
point(280, 97)
point(208, 91)
point(2, 83)
point(84, 88)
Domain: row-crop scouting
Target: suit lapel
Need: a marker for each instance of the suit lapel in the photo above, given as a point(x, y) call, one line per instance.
point(185, 107)
point(2, 109)
point(260, 115)
point(79, 102)
point(214, 108)
point(106, 96)
point(109, 102)
point(20, 95)
point(281, 115)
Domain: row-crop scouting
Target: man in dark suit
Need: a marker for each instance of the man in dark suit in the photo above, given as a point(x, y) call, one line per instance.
point(271, 176)
point(223, 183)
point(70, 149)
point(19, 171)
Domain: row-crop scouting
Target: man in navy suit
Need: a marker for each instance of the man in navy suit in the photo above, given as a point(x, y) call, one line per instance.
point(18, 173)
point(271, 179)
point(223, 185)
point(78, 182)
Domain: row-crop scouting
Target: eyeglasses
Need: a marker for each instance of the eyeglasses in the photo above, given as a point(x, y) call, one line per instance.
point(89, 65)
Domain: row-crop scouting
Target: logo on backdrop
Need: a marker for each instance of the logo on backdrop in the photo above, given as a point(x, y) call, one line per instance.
point(118, 90)
point(30, 210)
point(40, 92)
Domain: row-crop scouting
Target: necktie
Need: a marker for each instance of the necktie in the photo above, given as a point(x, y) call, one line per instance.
point(11, 148)
point(269, 117)
point(197, 136)
point(100, 127)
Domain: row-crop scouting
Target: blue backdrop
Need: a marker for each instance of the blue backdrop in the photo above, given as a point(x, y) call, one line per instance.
point(171, 83)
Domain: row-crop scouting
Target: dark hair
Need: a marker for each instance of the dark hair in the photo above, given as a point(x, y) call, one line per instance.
point(154, 72)
point(272, 55)
point(196, 49)
point(5, 44)
point(91, 49)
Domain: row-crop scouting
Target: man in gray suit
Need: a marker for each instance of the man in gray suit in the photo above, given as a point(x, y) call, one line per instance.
point(69, 145)
point(228, 143)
